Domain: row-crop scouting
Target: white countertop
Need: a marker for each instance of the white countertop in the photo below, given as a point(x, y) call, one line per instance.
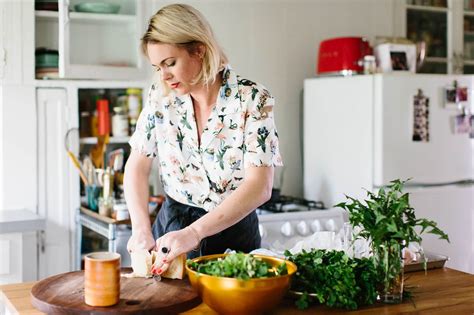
point(18, 221)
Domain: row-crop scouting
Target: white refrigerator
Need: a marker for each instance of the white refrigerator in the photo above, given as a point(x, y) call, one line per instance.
point(364, 131)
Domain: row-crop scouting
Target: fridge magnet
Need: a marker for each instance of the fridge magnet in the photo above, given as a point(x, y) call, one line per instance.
point(455, 95)
point(471, 134)
point(421, 113)
point(462, 124)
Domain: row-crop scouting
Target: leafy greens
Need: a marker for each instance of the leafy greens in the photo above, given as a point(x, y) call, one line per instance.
point(335, 279)
point(240, 266)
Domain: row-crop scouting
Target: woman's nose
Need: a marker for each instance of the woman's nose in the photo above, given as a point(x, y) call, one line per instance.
point(167, 75)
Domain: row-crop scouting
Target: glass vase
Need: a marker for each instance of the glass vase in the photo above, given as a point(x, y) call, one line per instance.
point(389, 260)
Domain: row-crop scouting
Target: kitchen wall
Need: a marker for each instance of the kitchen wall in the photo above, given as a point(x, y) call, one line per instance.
point(275, 42)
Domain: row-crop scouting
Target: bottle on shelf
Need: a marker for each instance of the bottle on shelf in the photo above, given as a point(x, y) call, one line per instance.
point(134, 102)
point(103, 117)
point(120, 122)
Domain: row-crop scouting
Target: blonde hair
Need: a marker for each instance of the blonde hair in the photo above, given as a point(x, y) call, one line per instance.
point(185, 27)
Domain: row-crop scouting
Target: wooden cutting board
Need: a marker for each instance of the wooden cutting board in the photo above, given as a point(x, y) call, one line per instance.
point(64, 293)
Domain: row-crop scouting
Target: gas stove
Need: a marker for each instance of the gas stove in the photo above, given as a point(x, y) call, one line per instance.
point(283, 203)
point(286, 220)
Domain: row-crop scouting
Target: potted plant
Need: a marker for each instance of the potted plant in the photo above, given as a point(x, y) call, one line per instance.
point(388, 222)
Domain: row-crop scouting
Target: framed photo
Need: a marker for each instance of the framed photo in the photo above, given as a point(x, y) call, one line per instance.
point(399, 61)
point(396, 57)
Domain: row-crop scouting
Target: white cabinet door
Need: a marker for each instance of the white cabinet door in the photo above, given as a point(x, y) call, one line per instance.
point(101, 46)
point(53, 181)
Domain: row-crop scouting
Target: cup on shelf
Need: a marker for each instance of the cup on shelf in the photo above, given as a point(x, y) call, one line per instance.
point(92, 194)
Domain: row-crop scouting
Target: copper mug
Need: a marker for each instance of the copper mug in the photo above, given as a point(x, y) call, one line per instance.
point(102, 279)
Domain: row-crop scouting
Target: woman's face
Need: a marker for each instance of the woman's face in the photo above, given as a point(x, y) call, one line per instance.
point(176, 65)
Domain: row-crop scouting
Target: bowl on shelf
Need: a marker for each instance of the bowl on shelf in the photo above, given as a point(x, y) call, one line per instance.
point(46, 58)
point(97, 7)
point(236, 296)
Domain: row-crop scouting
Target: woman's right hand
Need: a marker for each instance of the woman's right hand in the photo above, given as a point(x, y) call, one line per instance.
point(140, 240)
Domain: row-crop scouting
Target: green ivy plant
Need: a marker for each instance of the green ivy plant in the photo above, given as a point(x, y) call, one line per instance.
point(388, 221)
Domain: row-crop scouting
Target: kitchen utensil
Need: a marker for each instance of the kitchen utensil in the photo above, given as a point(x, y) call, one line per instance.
point(73, 158)
point(97, 7)
point(115, 159)
point(231, 295)
point(420, 54)
point(97, 152)
point(76, 163)
point(89, 170)
point(102, 279)
point(92, 195)
point(64, 294)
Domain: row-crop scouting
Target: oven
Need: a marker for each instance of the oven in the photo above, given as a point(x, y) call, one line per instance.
point(283, 221)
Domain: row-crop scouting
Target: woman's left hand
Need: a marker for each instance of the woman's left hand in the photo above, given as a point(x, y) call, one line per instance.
point(173, 244)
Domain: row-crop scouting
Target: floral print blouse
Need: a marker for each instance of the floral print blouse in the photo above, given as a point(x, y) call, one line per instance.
point(240, 133)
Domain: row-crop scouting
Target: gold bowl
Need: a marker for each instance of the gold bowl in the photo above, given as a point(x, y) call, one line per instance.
point(236, 296)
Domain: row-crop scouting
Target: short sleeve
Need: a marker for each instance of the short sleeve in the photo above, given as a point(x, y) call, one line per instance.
point(261, 136)
point(143, 139)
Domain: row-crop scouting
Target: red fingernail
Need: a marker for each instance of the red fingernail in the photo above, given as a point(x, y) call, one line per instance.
point(159, 271)
point(164, 260)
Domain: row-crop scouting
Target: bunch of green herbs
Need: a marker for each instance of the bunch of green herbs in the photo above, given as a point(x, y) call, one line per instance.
point(334, 279)
point(238, 265)
point(388, 221)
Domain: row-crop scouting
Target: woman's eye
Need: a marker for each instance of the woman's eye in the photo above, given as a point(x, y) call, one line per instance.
point(157, 69)
point(171, 64)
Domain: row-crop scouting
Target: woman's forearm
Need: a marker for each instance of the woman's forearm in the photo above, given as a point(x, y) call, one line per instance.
point(252, 193)
point(136, 194)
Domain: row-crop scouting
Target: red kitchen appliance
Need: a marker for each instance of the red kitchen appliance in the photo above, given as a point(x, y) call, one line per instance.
point(342, 56)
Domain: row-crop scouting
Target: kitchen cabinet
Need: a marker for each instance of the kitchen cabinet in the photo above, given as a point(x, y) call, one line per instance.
point(447, 28)
point(55, 181)
point(19, 231)
point(92, 45)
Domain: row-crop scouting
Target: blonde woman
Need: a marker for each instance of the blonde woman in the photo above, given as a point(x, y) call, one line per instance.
point(215, 138)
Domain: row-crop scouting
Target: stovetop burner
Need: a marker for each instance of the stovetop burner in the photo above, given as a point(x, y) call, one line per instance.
point(289, 204)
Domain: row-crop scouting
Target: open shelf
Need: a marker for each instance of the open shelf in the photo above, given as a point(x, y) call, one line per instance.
point(81, 16)
point(93, 140)
point(427, 8)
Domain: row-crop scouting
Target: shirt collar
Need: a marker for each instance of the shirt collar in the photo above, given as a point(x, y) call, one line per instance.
point(228, 102)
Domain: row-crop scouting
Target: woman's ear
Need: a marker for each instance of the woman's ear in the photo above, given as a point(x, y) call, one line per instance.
point(201, 51)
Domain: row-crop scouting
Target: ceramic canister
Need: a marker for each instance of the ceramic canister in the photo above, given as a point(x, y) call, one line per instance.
point(102, 279)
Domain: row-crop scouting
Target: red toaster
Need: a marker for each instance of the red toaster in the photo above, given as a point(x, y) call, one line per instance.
point(342, 55)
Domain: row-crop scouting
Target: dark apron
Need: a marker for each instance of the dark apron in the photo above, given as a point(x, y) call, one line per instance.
point(243, 236)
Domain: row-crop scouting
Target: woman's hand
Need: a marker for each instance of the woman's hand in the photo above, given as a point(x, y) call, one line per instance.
point(173, 244)
point(140, 240)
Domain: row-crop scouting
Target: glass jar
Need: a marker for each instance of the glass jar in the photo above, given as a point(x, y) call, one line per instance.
point(120, 122)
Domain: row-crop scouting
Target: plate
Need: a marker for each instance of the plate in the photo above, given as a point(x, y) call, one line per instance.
point(97, 7)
